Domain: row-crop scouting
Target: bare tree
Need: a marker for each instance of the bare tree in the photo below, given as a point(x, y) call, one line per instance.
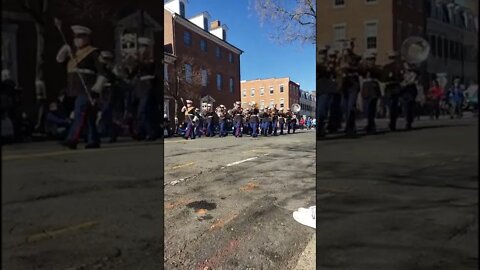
point(292, 22)
point(86, 10)
point(187, 83)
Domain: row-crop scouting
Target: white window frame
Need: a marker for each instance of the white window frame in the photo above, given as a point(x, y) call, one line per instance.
point(281, 88)
point(272, 102)
point(339, 6)
point(282, 102)
point(231, 85)
point(374, 2)
point(262, 104)
point(365, 25)
point(188, 73)
point(244, 92)
point(189, 34)
point(271, 90)
point(262, 91)
point(252, 92)
point(338, 42)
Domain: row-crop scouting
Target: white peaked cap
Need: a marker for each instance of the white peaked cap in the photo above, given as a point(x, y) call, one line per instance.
point(222, 106)
point(189, 101)
point(238, 103)
point(79, 29)
point(144, 41)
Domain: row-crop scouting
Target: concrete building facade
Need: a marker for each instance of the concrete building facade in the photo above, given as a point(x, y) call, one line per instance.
point(378, 26)
point(452, 31)
point(207, 67)
point(281, 92)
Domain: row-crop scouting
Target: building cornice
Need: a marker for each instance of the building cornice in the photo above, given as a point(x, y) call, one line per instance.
point(188, 24)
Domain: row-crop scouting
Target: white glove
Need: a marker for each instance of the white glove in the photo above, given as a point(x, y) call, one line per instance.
point(99, 84)
point(63, 53)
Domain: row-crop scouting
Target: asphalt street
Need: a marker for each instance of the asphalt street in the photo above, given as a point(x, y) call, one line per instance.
point(228, 204)
point(402, 200)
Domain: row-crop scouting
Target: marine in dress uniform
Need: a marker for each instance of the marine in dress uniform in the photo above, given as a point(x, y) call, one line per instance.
point(222, 120)
point(237, 114)
point(254, 120)
point(326, 86)
point(189, 111)
point(350, 87)
point(146, 128)
point(370, 90)
point(392, 76)
point(409, 93)
point(275, 114)
point(291, 121)
point(85, 79)
point(281, 120)
point(198, 123)
point(209, 114)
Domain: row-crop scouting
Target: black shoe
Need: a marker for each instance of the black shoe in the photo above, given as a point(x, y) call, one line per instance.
point(92, 146)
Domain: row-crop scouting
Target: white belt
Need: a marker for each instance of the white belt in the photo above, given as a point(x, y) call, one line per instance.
point(84, 71)
point(147, 77)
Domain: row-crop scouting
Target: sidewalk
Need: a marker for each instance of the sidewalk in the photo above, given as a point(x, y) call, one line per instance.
point(307, 260)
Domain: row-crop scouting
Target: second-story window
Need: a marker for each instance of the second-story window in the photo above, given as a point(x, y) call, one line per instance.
point(219, 81)
point(338, 3)
point(281, 88)
point(262, 91)
point(252, 92)
point(204, 77)
point(187, 38)
point(203, 45)
point(231, 85)
point(244, 92)
point(230, 57)
point(188, 73)
point(271, 90)
point(218, 52)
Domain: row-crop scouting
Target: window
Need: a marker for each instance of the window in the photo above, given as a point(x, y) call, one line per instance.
point(399, 33)
point(187, 38)
point(203, 45)
point(370, 1)
point(244, 104)
point(452, 49)
point(272, 102)
point(440, 47)
point(252, 92)
point(188, 73)
point(262, 91)
point(165, 71)
point(338, 3)
point(282, 103)
point(230, 57)
point(231, 85)
point(204, 75)
point(371, 29)
point(433, 42)
point(271, 90)
point(262, 104)
point(205, 24)
point(244, 92)
point(339, 35)
point(445, 47)
point(219, 82)
point(281, 88)
point(218, 52)
point(182, 9)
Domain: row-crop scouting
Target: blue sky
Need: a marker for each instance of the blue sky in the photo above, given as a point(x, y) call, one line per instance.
point(262, 58)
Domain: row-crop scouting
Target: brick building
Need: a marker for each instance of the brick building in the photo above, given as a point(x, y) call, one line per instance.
point(377, 25)
point(452, 31)
point(207, 66)
point(109, 21)
point(267, 92)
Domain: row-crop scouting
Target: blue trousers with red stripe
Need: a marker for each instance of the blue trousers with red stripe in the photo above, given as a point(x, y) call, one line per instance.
point(84, 115)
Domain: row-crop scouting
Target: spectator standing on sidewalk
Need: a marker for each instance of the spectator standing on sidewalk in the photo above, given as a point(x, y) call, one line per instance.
point(456, 98)
point(434, 96)
point(471, 96)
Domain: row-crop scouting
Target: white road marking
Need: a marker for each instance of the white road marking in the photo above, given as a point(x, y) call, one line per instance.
point(241, 161)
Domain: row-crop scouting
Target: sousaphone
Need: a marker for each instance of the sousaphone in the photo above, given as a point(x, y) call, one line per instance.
point(296, 108)
point(415, 50)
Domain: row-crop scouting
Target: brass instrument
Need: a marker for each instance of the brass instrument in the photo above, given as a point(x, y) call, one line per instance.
point(415, 50)
point(296, 108)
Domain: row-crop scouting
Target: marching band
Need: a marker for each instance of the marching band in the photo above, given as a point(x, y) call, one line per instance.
point(250, 121)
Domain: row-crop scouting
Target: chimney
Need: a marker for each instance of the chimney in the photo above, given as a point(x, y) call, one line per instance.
point(214, 25)
point(219, 30)
point(201, 20)
point(176, 6)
